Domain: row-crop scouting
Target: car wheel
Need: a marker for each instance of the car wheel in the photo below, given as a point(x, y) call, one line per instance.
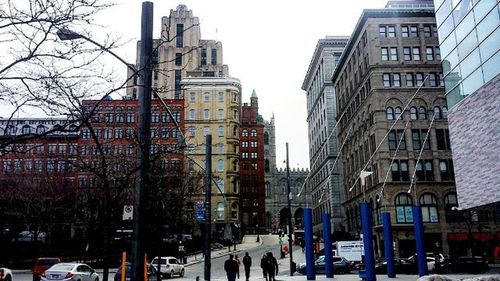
point(340, 271)
point(182, 273)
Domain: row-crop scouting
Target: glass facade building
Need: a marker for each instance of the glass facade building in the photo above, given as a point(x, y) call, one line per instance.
point(470, 39)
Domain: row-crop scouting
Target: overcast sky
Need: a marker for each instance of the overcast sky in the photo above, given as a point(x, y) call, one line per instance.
point(266, 44)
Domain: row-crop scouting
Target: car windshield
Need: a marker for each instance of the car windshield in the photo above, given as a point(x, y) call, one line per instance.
point(47, 262)
point(63, 267)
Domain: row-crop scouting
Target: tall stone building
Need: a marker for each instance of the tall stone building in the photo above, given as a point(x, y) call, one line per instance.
point(180, 53)
point(276, 217)
point(393, 121)
point(324, 181)
point(212, 106)
point(252, 166)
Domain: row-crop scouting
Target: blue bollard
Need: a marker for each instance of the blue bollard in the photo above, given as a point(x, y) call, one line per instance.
point(327, 229)
point(389, 253)
point(418, 226)
point(309, 243)
point(366, 225)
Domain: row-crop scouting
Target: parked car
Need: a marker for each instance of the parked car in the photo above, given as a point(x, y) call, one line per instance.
point(340, 266)
point(169, 266)
point(42, 264)
point(433, 260)
point(70, 271)
point(5, 274)
point(401, 266)
point(128, 273)
point(470, 264)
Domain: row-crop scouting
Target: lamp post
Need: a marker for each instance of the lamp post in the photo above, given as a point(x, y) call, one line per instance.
point(289, 201)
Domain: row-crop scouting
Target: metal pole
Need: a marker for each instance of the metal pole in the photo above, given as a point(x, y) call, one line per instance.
point(144, 134)
point(389, 253)
point(366, 225)
point(418, 227)
point(327, 231)
point(208, 205)
point(309, 243)
point(290, 227)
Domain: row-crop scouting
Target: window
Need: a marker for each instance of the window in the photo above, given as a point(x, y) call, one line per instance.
point(203, 56)
point(393, 139)
point(437, 53)
point(178, 58)
point(155, 117)
point(394, 53)
point(52, 148)
point(396, 80)
point(407, 53)
point(418, 136)
point(413, 31)
point(177, 83)
point(220, 97)
point(192, 97)
point(416, 53)
point(446, 170)
point(398, 113)
point(254, 155)
point(428, 203)
point(399, 170)
point(244, 133)
point(443, 139)
point(220, 165)
point(244, 144)
point(26, 130)
point(404, 212)
point(385, 53)
point(220, 211)
point(413, 113)
point(409, 80)
point(253, 133)
point(220, 131)
point(389, 112)
point(405, 31)
point(422, 113)
point(220, 148)
point(427, 31)
point(386, 79)
point(429, 53)
point(206, 131)
point(433, 79)
point(253, 144)
point(213, 57)
point(39, 129)
point(391, 31)
point(419, 78)
point(266, 138)
point(445, 112)
point(234, 211)
point(192, 131)
point(180, 35)
point(244, 155)
point(382, 31)
point(130, 117)
point(424, 170)
point(450, 204)
point(437, 112)
point(220, 114)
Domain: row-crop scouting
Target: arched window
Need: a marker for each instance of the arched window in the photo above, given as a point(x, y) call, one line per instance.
point(437, 112)
point(266, 138)
point(268, 189)
point(422, 113)
point(244, 133)
point(413, 113)
point(404, 213)
point(445, 112)
point(450, 205)
point(220, 211)
point(389, 113)
point(234, 211)
point(26, 130)
point(428, 202)
point(220, 186)
point(267, 166)
point(253, 133)
point(398, 113)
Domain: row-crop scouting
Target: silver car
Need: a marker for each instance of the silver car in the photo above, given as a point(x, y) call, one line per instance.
point(5, 274)
point(70, 272)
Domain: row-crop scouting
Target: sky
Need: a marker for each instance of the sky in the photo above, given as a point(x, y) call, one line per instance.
point(268, 45)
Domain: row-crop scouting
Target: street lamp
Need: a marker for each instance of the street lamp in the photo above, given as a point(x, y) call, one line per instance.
point(289, 199)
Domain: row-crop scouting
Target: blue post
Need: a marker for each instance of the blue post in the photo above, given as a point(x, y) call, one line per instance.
point(366, 225)
point(418, 226)
point(309, 243)
point(327, 229)
point(389, 253)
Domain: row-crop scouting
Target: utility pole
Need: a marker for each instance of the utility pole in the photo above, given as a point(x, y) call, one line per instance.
point(208, 205)
point(290, 227)
point(144, 125)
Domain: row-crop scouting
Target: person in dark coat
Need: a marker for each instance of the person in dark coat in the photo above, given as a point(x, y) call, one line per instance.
point(247, 263)
point(263, 265)
point(272, 267)
point(232, 269)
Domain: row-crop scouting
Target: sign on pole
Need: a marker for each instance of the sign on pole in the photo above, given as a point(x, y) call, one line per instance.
point(200, 210)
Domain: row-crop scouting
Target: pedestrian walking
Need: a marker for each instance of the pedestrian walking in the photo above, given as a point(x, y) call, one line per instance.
point(237, 259)
point(263, 265)
point(272, 266)
point(232, 269)
point(247, 263)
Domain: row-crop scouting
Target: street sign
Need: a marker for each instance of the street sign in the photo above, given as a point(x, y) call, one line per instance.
point(200, 210)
